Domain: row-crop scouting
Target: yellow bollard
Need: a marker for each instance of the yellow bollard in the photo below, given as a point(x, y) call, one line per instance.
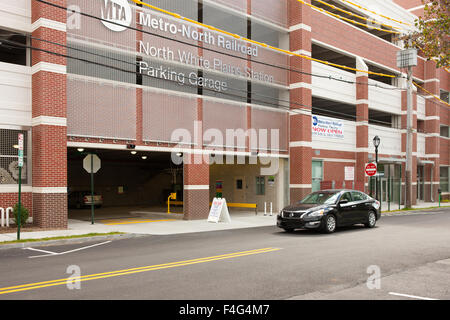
point(172, 196)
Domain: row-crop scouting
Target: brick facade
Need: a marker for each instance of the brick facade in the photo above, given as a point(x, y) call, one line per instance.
point(196, 187)
point(48, 200)
point(300, 150)
point(49, 104)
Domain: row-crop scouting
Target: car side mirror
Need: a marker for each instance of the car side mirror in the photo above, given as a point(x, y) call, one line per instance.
point(343, 201)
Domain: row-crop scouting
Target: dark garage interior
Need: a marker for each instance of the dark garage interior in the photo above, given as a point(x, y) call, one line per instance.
point(126, 179)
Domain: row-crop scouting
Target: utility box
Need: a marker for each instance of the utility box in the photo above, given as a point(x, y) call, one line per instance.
point(407, 58)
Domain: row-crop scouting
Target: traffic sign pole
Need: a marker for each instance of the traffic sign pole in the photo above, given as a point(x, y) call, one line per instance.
point(18, 213)
point(20, 164)
point(92, 188)
point(92, 163)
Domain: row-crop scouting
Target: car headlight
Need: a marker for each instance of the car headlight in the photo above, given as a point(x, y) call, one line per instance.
point(317, 213)
point(376, 204)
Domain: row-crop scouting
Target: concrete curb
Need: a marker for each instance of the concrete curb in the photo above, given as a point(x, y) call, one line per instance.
point(70, 241)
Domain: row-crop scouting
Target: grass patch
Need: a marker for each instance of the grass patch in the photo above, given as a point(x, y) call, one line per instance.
point(416, 209)
point(63, 237)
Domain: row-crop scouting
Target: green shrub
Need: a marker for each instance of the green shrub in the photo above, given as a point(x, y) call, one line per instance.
point(23, 214)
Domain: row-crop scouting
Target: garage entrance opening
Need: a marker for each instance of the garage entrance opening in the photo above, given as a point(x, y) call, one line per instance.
point(245, 184)
point(129, 184)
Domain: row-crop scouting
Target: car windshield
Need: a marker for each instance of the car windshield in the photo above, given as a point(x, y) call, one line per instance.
point(320, 198)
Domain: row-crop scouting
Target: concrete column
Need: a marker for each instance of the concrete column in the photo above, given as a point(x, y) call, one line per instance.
point(49, 106)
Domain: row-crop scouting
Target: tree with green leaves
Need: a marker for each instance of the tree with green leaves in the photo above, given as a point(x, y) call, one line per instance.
point(433, 37)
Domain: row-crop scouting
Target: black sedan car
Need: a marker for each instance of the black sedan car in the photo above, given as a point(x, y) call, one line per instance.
point(326, 210)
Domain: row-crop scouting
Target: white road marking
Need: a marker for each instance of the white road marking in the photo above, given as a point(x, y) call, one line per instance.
point(65, 252)
point(39, 250)
point(94, 245)
point(447, 261)
point(409, 296)
point(44, 255)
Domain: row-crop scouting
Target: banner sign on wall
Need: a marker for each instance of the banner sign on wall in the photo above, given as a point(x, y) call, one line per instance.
point(327, 127)
point(349, 173)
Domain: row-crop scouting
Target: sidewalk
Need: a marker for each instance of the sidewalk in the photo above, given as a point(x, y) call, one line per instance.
point(153, 223)
point(151, 226)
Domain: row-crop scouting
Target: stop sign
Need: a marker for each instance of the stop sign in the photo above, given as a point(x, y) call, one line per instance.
point(371, 169)
point(96, 163)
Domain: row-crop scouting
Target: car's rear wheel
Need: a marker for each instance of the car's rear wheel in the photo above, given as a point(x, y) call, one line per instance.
point(329, 224)
point(371, 220)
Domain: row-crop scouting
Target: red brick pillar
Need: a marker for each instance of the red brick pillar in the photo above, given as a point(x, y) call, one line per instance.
point(432, 123)
point(49, 105)
point(300, 149)
point(362, 125)
point(196, 187)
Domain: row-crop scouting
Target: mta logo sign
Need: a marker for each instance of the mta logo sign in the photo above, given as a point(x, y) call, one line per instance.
point(117, 14)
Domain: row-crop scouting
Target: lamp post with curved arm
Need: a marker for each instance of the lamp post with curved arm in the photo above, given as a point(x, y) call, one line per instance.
point(376, 143)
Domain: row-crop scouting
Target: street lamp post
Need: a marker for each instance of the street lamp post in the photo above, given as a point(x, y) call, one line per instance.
point(376, 143)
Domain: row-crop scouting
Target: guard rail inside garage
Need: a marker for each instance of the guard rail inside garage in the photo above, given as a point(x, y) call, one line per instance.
point(230, 205)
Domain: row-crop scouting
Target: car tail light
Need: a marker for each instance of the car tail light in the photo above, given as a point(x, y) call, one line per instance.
point(85, 199)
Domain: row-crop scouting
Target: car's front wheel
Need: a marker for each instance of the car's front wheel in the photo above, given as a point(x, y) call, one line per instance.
point(289, 230)
point(329, 224)
point(371, 220)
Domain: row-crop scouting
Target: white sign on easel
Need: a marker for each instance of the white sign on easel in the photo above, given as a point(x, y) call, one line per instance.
point(219, 211)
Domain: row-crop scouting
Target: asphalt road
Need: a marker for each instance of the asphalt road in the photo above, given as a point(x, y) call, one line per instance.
point(410, 252)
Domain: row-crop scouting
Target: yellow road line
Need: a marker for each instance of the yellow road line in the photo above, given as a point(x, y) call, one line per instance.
point(58, 282)
point(138, 268)
point(137, 221)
